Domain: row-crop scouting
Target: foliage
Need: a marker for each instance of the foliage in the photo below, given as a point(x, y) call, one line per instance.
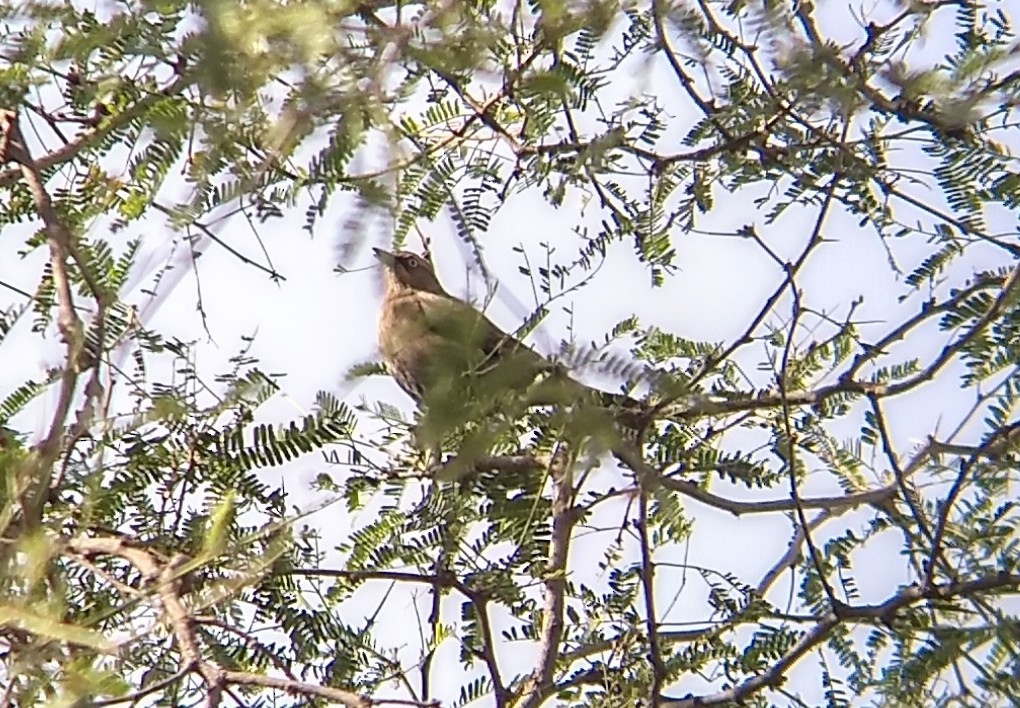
point(148, 557)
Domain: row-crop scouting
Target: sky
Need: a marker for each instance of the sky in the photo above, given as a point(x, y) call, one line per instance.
point(318, 323)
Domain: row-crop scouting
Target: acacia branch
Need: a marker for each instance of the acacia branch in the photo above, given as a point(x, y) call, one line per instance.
point(555, 581)
point(901, 480)
point(164, 579)
point(336, 695)
point(953, 348)
point(441, 580)
point(790, 272)
point(448, 530)
point(791, 441)
point(154, 687)
point(995, 441)
point(884, 612)
point(614, 140)
point(659, 11)
point(963, 226)
point(789, 559)
point(60, 240)
point(659, 673)
point(739, 507)
point(487, 651)
point(396, 576)
point(928, 310)
point(211, 235)
point(697, 406)
point(631, 459)
point(95, 135)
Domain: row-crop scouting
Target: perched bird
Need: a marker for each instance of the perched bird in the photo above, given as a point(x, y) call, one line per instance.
point(443, 352)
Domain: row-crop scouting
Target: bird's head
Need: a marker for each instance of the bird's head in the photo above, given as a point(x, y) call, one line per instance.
point(403, 270)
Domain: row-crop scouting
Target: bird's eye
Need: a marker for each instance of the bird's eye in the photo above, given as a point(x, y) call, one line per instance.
point(412, 262)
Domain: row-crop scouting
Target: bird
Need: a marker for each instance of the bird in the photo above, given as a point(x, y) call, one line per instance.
point(445, 353)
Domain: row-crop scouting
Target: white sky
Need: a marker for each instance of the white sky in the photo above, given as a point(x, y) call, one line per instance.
point(315, 325)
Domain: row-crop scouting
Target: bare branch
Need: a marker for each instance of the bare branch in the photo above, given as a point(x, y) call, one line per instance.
point(789, 559)
point(337, 695)
point(739, 507)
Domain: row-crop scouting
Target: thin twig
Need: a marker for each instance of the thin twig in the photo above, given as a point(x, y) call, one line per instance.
point(791, 442)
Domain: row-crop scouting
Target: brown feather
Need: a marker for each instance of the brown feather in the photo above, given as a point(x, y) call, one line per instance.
point(430, 341)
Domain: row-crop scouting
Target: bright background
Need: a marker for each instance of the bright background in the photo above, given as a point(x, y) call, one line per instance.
point(316, 324)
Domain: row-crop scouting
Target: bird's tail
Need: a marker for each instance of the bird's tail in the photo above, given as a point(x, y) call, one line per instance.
point(561, 390)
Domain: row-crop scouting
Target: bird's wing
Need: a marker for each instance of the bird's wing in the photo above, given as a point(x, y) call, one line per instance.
point(459, 323)
point(473, 340)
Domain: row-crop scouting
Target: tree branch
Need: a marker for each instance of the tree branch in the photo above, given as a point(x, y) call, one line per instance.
point(60, 240)
point(95, 135)
point(884, 612)
point(561, 474)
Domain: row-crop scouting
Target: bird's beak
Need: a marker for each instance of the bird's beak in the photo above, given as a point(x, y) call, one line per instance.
point(385, 257)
